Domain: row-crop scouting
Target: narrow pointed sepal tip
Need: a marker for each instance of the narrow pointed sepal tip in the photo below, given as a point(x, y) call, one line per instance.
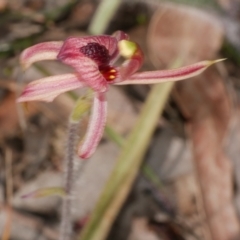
point(216, 61)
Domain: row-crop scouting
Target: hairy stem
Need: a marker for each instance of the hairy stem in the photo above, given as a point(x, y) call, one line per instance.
point(65, 227)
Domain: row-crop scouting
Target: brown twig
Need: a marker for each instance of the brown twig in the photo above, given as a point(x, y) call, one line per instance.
point(9, 190)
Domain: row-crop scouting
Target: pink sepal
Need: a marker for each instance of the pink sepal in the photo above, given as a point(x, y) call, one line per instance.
point(46, 89)
point(120, 35)
point(39, 52)
point(95, 127)
point(177, 74)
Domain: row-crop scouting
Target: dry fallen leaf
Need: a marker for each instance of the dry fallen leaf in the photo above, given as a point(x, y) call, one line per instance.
point(188, 35)
point(179, 32)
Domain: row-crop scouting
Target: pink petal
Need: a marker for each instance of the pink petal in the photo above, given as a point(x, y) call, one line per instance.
point(88, 72)
point(177, 74)
point(95, 127)
point(46, 89)
point(129, 67)
point(39, 52)
point(134, 55)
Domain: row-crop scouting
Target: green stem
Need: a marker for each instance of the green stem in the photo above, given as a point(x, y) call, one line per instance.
point(103, 16)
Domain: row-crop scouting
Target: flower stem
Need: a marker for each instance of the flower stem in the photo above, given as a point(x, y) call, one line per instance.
point(65, 227)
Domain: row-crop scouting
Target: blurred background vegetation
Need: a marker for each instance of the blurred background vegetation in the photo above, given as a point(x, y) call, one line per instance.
point(180, 175)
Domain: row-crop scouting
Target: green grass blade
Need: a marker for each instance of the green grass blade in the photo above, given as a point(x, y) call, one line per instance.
point(127, 166)
point(103, 15)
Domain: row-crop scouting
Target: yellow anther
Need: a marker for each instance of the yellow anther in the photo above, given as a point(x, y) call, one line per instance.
point(127, 48)
point(111, 77)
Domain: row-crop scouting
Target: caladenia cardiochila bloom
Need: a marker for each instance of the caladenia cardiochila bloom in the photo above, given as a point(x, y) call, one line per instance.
point(93, 58)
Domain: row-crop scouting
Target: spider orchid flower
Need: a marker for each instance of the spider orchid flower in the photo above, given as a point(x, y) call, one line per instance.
point(93, 58)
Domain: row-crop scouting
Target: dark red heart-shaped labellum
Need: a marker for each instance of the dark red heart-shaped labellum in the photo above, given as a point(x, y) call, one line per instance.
point(96, 52)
